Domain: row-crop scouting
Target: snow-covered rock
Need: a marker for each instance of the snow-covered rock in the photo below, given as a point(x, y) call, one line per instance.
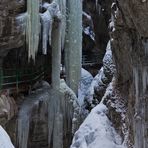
point(101, 81)
point(108, 65)
point(5, 141)
point(97, 130)
point(86, 79)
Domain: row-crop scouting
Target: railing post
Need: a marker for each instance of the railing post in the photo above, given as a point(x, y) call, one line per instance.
point(1, 78)
point(17, 80)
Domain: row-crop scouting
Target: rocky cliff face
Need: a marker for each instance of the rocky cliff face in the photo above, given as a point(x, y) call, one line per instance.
point(11, 35)
point(129, 32)
point(129, 43)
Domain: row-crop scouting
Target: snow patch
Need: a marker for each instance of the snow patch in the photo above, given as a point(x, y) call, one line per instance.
point(97, 131)
point(5, 141)
point(86, 79)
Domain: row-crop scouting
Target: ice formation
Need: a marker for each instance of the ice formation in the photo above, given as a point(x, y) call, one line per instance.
point(63, 114)
point(33, 27)
point(25, 113)
point(73, 44)
point(63, 117)
point(46, 20)
point(62, 7)
point(21, 20)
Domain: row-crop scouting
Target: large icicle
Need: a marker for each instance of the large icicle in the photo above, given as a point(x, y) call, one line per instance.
point(33, 27)
point(46, 20)
point(73, 45)
point(62, 6)
point(56, 47)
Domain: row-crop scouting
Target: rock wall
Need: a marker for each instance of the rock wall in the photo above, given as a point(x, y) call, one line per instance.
point(129, 32)
point(10, 30)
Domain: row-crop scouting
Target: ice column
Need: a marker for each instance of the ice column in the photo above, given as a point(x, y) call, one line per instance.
point(56, 53)
point(73, 45)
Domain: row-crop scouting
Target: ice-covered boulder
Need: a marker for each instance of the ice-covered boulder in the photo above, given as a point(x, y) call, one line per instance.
point(86, 79)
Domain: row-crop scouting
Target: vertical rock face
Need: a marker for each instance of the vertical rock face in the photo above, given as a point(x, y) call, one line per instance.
point(10, 30)
point(100, 13)
point(129, 34)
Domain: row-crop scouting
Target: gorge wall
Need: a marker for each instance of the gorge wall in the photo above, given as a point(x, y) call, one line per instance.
point(129, 32)
point(129, 44)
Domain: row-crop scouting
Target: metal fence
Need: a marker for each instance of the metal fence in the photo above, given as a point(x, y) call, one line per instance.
point(90, 60)
point(10, 78)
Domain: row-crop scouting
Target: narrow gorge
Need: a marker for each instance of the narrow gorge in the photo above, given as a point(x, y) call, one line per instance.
point(73, 74)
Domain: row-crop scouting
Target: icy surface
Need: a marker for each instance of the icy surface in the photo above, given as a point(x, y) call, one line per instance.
point(97, 131)
point(73, 44)
point(86, 79)
point(5, 141)
point(63, 114)
point(33, 27)
point(46, 20)
point(26, 111)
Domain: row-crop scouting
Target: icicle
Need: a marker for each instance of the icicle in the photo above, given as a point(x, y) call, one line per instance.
point(145, 46)
point(144, 79)
point(33, 27)
point(23, 130)
point(46, 20)
point(58, 131)
point(62, 7)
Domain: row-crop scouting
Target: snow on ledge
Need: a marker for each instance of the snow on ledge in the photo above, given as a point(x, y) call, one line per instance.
point(5, 141)
point(97, 131)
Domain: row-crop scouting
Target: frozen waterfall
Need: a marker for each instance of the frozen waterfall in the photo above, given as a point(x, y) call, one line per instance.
point(62, 120)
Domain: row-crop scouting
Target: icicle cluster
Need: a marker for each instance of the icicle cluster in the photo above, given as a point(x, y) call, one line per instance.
point(47, 21)
point(33, 27)
point(27, 111)
point(63, 115)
